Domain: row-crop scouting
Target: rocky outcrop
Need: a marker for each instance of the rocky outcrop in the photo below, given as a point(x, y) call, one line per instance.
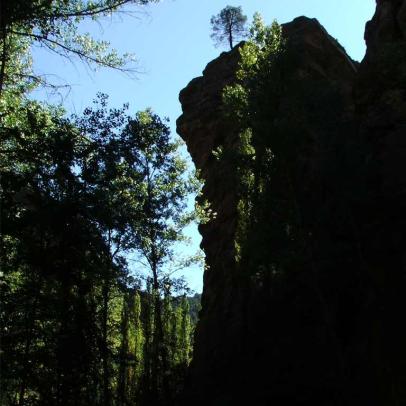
point(330, 334)
point(205, 128)
point(380, 98)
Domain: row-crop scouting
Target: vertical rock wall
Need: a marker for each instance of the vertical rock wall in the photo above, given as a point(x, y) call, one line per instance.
point(380, 210)
point(335, 337)
point(205, 128)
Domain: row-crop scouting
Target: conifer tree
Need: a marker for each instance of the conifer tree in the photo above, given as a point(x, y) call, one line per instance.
point(228, 26)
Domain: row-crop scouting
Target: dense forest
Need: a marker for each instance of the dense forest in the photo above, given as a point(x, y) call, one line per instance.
point(92, 206)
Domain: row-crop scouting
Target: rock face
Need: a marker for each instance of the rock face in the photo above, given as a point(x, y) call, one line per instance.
point(333, 334)
point(380, 97)
point(205, 129)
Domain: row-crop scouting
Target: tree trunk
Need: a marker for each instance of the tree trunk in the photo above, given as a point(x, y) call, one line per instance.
point(3, 60)
point(30, 317)
point(122, 382)
point(230, 38)
point(105, 349)
point(160, 352)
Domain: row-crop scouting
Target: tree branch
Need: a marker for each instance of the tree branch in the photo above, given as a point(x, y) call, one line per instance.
point(82, 55)
point(87, 12)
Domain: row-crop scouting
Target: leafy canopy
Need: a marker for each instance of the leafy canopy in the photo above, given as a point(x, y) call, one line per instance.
point(54, 26)
point(77, 196)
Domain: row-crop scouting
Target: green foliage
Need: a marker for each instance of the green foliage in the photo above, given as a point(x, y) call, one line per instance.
point(228, 26)
point(54, 25)
point(195, 307)
point(16, 68)
point(257, 57)
point(77, 197)
point(248, 102)
point(41, 197)
point(236, 99)
point(163, 183)
point(80, 197)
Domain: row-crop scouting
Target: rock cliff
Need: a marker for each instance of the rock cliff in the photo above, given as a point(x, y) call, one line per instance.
point(331, 332)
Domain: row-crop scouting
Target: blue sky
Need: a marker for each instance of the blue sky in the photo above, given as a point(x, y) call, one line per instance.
point(171, 41)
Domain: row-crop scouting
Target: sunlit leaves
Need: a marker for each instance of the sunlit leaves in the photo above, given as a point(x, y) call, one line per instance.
point(244, 100)
point(236, 99)
point(55, 26)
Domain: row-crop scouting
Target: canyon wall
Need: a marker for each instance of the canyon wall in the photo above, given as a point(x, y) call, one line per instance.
point(330, 332)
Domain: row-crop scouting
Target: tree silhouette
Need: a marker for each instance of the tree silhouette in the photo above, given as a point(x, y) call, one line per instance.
point(228, 25)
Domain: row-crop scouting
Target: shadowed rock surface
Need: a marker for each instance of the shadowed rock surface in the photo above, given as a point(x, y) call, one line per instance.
point(332, 333)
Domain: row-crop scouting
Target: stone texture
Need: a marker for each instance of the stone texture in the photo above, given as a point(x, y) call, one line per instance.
point(204, 128)
point(336, 338)
point(380, 97)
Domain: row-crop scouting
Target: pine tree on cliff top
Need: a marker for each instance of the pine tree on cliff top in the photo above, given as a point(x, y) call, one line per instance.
point(228, 26)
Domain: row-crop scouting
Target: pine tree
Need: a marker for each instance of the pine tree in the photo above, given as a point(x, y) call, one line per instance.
point(228, 26)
